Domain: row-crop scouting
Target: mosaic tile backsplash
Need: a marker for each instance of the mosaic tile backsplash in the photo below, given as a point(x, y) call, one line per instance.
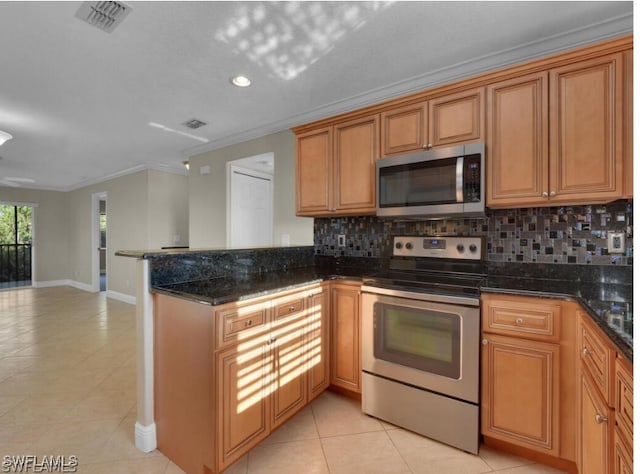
point(568, 234)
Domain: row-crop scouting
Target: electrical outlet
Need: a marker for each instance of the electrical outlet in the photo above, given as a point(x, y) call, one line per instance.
point(342, 240)
point(616, 242)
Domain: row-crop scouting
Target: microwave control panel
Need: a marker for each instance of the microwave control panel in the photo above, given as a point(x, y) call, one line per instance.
point(472, 178)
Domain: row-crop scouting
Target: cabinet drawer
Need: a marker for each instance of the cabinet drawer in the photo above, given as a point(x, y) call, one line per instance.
point(597, 357)
point(236, 324)
point(286, 308)
point(533, 318)
point(624, 401)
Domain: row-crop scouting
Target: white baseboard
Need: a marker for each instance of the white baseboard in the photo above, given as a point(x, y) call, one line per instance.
point(145, 437)
point(48, 283)
point(121, 297)
point(82, 286)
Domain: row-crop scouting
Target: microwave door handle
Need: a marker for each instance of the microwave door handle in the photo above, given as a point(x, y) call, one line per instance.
point(459, 181)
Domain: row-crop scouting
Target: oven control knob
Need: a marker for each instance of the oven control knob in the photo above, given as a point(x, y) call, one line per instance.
point(398, 245)
point(473, 248)
point(460, 248)
point(408, 245)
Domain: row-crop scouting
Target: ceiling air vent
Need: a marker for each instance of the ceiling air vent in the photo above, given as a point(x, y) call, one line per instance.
point(103, 15)
point(194, 123)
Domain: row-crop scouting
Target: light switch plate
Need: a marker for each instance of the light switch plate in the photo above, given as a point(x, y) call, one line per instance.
point(616, 242)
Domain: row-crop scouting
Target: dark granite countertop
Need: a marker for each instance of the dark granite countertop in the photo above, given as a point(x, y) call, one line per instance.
point(606, 296)
point(243, 287)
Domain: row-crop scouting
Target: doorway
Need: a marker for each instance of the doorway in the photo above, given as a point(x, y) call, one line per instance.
point(16, 237)
point(99, 241)
point(250, 210)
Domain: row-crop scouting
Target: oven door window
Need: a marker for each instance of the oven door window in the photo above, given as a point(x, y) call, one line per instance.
point(422, 339)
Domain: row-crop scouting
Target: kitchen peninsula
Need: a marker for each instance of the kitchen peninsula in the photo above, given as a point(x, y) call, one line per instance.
point(198, 286)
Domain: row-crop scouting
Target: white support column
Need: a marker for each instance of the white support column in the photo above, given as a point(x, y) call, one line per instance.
point(145, 428)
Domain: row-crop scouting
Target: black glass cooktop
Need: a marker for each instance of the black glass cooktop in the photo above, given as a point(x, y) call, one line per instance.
point(467, 284)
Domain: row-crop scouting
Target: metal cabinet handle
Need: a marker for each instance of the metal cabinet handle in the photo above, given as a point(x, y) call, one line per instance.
point(519, 321)
point(292, 308)
point(601, 419)
point(545, 194)
point(485, 342)
point(249, 322)
point(552, 193)
point(586, 351)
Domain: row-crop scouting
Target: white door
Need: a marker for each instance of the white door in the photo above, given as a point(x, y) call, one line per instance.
point(250, 208)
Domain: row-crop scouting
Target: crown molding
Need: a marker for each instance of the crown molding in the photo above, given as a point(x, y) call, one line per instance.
point(547, 46)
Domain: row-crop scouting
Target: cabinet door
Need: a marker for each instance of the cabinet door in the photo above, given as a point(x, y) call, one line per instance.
point(242, 380)
point(318, 343)
point(517, 142)
point(586, 130)
point(356, 149)
point(622, 457)
point(598, 357)
point(404, 129)
point(628, 124)
point(456, 118)
point(521, 392)
point(288, 373)
point(595, 430)
point(314, 168)
point(346, 360)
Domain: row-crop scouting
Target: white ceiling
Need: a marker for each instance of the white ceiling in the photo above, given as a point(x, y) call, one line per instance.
point(80, 102)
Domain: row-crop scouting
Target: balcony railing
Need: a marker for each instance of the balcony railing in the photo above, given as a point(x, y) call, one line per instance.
point(15, 264)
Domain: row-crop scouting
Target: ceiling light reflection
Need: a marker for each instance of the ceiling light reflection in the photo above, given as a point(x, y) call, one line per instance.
point(265, 32)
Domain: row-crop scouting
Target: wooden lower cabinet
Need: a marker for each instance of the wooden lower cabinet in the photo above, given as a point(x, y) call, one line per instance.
point(595, 429)
point(318, 343)
point(243, 408)
point(605, 425)
point(227, 376)
point(346, 357)
point(622, 457)
point(528, 382)
point(520, 393)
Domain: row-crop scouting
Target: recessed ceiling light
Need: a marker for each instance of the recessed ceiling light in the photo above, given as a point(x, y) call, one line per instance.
point(4, 136)
point(240, 81)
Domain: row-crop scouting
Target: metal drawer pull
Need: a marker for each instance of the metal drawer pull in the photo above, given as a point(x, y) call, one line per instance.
point(292, 308)
point(601, 419)
point(586, 351)
point(485, 342)
point(519, 321)
point(249, 322)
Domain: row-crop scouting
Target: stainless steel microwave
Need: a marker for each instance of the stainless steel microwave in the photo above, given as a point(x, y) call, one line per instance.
point(447, 182)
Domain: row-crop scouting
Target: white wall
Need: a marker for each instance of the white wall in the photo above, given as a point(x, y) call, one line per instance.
point(145, 210)
point(208, 193)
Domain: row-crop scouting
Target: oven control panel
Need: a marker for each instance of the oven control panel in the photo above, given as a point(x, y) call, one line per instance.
point(467, 248)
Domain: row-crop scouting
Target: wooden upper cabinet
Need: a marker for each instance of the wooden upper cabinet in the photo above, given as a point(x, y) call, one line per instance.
point(335, 169)
point(586, 125)
point(314, 170)
point(356, 149)
point(456, 118)
point(404, 129)
point(443, 121)
point(517, 141)
point(628, 124)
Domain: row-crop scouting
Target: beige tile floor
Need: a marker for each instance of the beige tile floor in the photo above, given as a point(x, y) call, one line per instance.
point(67, 387)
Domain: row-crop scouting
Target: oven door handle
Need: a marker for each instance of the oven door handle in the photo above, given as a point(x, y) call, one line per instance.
point(459, 179)
point(434, 297)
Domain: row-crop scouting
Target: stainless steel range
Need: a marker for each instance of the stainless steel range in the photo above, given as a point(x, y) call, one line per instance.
point(421, 339)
